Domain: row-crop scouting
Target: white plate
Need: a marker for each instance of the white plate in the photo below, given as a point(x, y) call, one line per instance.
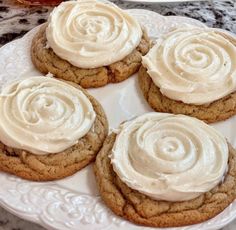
point(74, 203)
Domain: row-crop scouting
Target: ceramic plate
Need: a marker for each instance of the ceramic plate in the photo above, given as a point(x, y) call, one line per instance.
point(74, 202)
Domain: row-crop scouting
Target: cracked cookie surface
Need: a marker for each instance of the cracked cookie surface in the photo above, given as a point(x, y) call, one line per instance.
point(218, 110)
point(45, 60)
point(141, 209)
point(56, 166)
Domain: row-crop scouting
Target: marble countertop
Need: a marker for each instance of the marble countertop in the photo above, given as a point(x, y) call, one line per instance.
point(16, 20)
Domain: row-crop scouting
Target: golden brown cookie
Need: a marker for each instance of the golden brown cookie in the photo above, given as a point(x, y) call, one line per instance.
point(143, 210)
point(46, 61)
point(56, 166)
point(216, 111)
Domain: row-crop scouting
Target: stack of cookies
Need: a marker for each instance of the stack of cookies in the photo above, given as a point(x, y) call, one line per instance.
point(161, 169)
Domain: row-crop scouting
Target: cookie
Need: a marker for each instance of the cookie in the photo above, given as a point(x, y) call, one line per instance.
point(45, 60)
point(192, 72)
point(218, 110)
point(140, 209)
point(56, 166)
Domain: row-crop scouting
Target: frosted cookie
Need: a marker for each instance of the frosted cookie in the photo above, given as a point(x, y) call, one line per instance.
point(156, 171)
point(192, 72)
point(49, 129)
point(90, 43)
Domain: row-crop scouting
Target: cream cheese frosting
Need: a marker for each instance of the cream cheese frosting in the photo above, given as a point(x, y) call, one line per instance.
point(43, 115)
point(91, 34)
point(169, 157)
point(193, 65)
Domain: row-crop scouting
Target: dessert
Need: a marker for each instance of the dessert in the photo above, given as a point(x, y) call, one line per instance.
point(157, 171)
point(49, 129)
point(90, 43)
point(192, 72)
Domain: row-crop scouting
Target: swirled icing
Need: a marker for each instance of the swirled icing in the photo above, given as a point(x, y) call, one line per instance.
point(43, 115)
point(91, 34)
point(169, 157)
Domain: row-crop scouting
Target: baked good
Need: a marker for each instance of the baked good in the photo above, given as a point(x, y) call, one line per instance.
point(90, 43)
point(49, 129)
point(156, 171)
point(191, 71)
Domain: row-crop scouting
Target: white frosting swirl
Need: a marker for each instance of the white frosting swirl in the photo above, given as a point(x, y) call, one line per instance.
point(90, 34)
point(43, 115)
point(193, 65)
point(169, 157)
